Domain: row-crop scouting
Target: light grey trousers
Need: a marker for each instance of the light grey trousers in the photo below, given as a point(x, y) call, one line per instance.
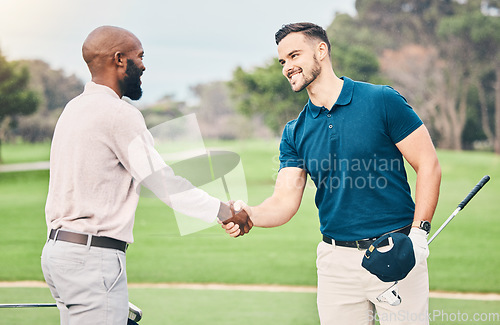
point(89, 284)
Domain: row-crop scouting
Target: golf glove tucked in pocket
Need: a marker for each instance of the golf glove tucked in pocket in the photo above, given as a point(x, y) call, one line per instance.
point(420, 247)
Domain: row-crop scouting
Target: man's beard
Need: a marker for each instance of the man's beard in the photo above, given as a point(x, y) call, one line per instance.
point(316, 70)
point(131, 83)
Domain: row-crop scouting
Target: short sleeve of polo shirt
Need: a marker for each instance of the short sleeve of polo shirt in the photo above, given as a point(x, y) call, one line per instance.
point(400, 116)
point(288, 152)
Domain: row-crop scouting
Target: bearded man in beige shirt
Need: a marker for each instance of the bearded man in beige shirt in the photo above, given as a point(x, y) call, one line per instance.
point(97, 165)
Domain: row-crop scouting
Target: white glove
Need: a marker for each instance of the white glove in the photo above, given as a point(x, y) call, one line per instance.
point(420, 247)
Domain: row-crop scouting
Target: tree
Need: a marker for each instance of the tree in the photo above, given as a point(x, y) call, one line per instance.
point(216, 116)
point(15, 97)
point(417, 72)
point(472, 53)
point(400, 22)
point(54, 89)
point(456, 43)
point(353, 53)
point(497, 108)
point(403, 35)
point(165, 109)
point(265, 91)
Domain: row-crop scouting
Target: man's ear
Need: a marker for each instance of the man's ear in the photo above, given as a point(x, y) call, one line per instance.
point(119, 59)
point(322, 50)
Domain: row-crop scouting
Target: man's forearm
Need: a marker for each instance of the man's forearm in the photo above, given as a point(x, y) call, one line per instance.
point(427, 191)
point(271, 213)
point(285, 201)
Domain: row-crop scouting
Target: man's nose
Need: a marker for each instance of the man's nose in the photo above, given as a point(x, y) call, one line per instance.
point(286, 69)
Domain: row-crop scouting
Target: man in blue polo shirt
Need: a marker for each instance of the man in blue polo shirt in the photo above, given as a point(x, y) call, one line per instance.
point(351, 138)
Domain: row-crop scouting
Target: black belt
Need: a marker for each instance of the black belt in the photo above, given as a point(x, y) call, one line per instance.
point(96, 241)
point(365, 243)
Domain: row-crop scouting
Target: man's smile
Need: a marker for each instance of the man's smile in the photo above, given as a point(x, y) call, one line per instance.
point(293, 73)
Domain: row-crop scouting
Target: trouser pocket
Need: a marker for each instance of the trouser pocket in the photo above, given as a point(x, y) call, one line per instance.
point(323, 259)
point(113, 267)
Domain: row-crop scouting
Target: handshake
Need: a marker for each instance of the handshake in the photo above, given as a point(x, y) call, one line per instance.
point(236, 220)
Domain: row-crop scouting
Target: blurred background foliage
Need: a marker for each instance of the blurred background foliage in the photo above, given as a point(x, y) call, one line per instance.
point(442, 55)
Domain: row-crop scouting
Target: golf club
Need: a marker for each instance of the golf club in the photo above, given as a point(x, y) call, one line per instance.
point(462, 205)
point(134, 312)
point(26, 305)
point(391, 295)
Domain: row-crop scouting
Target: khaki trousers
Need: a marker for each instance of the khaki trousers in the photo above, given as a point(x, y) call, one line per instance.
point(89, 284)
point(347, 293)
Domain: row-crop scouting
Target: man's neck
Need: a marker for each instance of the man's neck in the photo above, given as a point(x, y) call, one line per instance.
point(109, 82)
point(325, 90)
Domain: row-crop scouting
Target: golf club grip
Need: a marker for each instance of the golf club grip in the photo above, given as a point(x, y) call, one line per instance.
point(474, 191)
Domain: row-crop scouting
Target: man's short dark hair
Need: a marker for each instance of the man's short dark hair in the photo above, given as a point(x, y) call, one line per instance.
point(310, 30)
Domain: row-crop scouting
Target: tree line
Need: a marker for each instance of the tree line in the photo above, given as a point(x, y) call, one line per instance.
point(442, 55)
point(32, 96)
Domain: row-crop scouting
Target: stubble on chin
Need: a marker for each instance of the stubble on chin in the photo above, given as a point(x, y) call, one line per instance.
point(306, 81)
point(299, 86)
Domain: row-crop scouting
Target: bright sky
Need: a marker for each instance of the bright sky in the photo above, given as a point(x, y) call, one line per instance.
point(186, 42)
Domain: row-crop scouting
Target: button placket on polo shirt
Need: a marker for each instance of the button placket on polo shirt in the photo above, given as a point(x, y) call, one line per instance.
point(329, 120)
point(332, 130)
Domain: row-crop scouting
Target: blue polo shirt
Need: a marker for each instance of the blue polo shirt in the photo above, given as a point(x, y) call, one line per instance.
point(350, 154)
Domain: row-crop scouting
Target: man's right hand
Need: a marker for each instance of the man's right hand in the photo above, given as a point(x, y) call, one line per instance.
point(239, 223)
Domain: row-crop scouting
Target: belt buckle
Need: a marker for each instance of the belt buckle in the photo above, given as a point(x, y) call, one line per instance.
point(369, 241)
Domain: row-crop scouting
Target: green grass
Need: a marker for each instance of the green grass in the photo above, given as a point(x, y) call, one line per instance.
point(463, 258)
point(185, 306)
point(25, 152)
point(22, 203)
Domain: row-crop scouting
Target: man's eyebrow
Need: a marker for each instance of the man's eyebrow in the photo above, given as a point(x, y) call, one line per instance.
point(288, 55)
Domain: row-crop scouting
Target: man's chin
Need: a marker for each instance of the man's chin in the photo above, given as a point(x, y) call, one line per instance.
point(134, 95)
point(297, 88)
